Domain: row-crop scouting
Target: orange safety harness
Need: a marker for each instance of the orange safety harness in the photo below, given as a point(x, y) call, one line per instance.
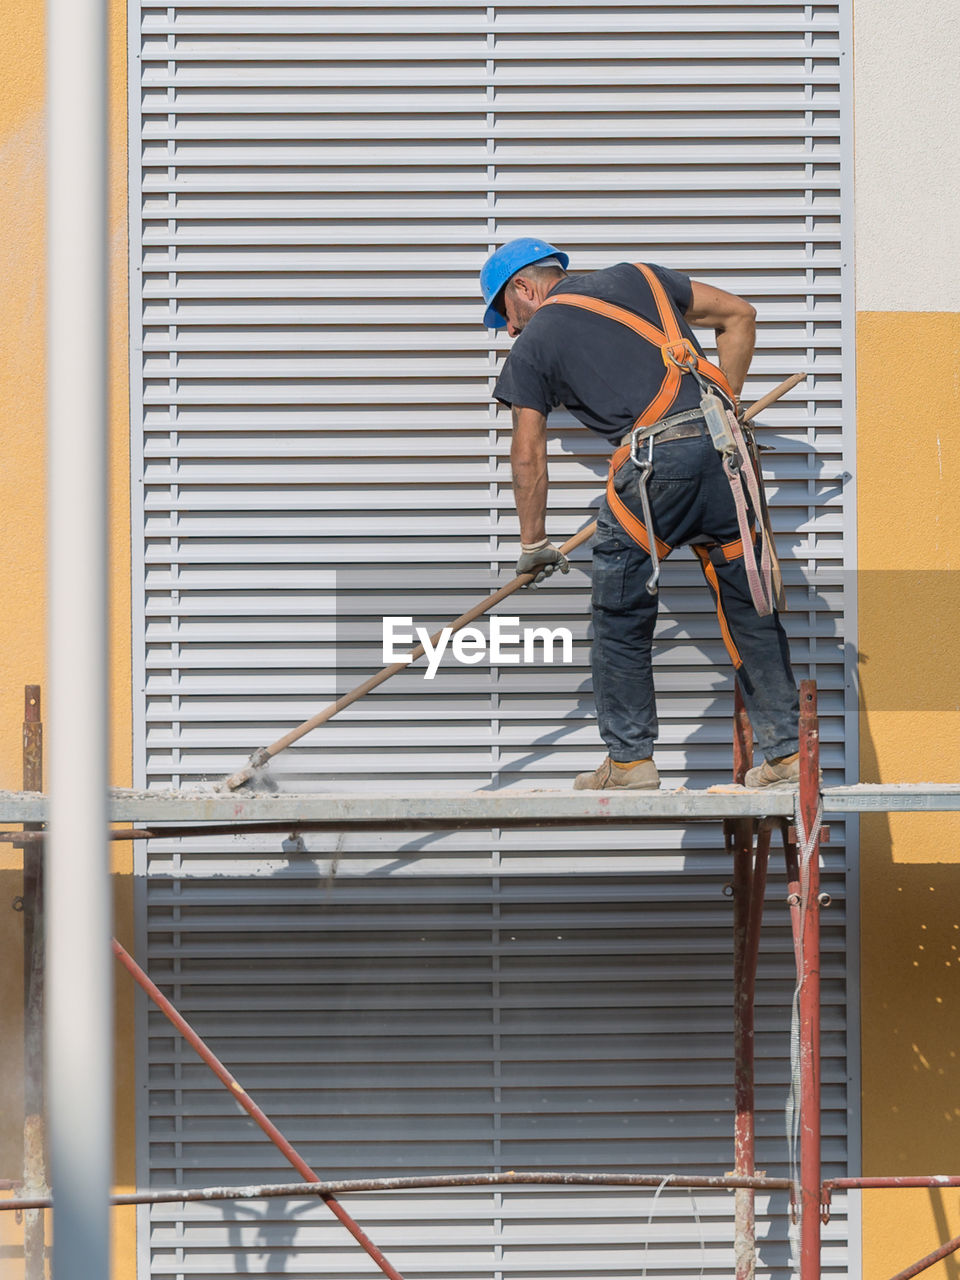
point(679, 356)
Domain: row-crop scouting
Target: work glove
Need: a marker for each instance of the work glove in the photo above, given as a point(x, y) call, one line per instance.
point(541, 558)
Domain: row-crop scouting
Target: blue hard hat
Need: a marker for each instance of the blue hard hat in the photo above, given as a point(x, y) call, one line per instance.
point(507, 261)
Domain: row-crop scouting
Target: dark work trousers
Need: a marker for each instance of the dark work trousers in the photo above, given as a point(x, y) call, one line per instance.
point(691, 500)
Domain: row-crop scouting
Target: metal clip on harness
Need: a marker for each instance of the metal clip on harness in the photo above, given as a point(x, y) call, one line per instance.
point(713, 408)
point(645, 466)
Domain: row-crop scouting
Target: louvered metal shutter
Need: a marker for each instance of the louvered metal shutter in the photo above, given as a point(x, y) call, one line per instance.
point(318, 186)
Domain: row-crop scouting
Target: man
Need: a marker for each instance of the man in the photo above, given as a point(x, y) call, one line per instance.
point(615, 347)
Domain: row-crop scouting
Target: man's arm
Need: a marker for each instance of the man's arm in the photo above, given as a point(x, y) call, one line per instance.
point(735, 322)
point(528, 461)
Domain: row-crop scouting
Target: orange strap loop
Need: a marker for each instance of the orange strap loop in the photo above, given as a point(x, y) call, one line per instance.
point(733, 550)
point(671, 328)
point(682, 353)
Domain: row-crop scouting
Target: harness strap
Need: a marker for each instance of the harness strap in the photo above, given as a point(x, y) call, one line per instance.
point(668, 318)
point(637, 323)
point(728, 551)
point(759, 580)
point(669, 387)
point(710, 573)
point(671, 328)
point(763, 517)
point(669, 340)
point(725, 552)
point(680, 357)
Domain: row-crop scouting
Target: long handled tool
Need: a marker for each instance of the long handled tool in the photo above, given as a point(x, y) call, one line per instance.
point(265, 754)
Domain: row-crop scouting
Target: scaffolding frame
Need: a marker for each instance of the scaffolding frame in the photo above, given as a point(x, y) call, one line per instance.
point(749, 819)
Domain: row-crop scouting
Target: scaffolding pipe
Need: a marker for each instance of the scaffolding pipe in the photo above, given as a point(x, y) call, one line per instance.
point(296, 1190)
point(79, 1012)
point(932, 1181)
point(34, 1138)
point(807, 940)
point(930, 1260)
point(749, 887)
point(296, 826)
point(253, 1111)
point(738, 835)
point(873, 1184)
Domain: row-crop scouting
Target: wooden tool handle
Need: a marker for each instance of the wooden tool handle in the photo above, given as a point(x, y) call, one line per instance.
point(758, 406)
point(266, 753)
point(260, 758)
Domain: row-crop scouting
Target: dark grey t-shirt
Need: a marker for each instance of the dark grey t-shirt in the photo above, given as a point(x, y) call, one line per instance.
point(603, 372)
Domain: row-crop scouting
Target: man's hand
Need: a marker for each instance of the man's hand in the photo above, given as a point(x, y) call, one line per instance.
point(542, 556)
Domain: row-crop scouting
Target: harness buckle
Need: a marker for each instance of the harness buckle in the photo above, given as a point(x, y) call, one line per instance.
point(682, 354)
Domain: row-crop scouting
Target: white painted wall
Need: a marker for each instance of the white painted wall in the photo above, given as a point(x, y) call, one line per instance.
point(907, 136)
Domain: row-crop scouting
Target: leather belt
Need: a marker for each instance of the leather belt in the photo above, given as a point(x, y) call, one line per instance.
point(677, 427)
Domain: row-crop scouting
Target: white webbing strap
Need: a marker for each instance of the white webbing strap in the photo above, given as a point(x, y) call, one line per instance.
point(760, 580)
point(668, 1178)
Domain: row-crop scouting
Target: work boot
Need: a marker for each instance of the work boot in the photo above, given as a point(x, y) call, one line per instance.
point(636, 775)
point(780, 773)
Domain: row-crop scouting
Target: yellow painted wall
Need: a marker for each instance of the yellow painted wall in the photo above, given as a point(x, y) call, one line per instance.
point(22, 525)
point(908, 448)
point(907, 267)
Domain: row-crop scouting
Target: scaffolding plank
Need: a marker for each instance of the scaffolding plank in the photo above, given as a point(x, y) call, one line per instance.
point(491, 808)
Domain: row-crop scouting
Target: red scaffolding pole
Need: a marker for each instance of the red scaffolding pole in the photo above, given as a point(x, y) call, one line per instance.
point(748, 841)
point(749, 883)
point(804, 865)
point(749, 844)
point(251, 1108)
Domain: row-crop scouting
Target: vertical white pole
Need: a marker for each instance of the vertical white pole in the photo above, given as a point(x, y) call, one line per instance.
point(79, 1000)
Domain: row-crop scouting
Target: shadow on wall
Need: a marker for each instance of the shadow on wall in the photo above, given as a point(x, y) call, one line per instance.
point(910, 917)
